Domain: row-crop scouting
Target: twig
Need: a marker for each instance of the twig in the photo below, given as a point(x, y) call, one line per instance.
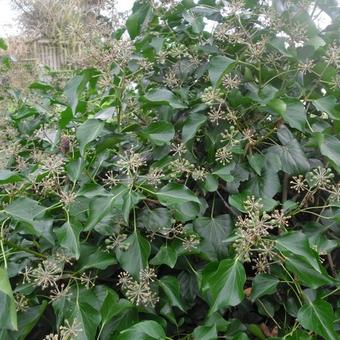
point(331, 264)
point(226, 204)
point(285, 187)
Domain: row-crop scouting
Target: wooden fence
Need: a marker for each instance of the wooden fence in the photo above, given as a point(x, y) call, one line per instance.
point(46, 53)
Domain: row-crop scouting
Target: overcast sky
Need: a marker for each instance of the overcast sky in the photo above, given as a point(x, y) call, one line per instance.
point(8, 15)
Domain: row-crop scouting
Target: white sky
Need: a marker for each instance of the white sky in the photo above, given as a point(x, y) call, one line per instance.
point(8, 15)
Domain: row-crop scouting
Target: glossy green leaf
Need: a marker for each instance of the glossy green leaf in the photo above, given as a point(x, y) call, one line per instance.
point(135, 258)
point(159, 133)
point(295, 114)
point(156, 220)
point(25, 209)
point(68, 237)
point(8, 314)
point(306, 274)
point(94, 257)
point(173, 194)
point(130, 199)
point(263, 284)
point(224, 284)
point(318, 316)
point(139, 20)
point(292, 157)
point(218, 66)
point(88, 132)
point(329, 105)
point(278, 106)
point(330, 147)
point(75, 168)
point(147, 330)
point(213, 231)
point(112, 306)
point(7, 176)
point(74, 88)
point(205, 333)
point(164, 96)
point(297, 243)
point(88, 319)
point(171, 288)
point(28, 319)
point(192, 125)
point(166, 255)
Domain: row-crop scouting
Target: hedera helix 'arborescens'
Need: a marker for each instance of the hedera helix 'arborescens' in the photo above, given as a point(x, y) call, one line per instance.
point(189, 192)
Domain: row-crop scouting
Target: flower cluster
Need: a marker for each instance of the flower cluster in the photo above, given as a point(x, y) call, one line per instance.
point(141, 292)
point(254, 229)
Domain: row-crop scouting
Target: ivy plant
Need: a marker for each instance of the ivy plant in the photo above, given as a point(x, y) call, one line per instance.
point(189, 191)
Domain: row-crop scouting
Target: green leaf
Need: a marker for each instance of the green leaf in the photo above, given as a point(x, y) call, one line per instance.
point(295, 114)
point(112, 306)
point(73, 90)
point(65, 117)
point(159, 133)
point(329, 105)
point(263, 284)
point(293, 159)
point(144, 330)
point(8, 314)
point(266, 185)
point(25, 209)
point(7, 176)
point(28, 319)
point(156, 220)
point(213, 231)
point(106, 310)
point(224, 284)
point(88, 319)
point(166, 255)
point(101, 207)
point(139, 20)
point(205, 333)
point(225, 172)
point(164, 96)
point(3, 44)
point(135, 258)
point(318, 316)
point(257, 162)
point(210, 183)
point(278, 106)
point(94, 257)
point(237, 201)
point(88, 131)
point(170, 286)
point(218, 66)
point(130, 199)
point(297, 243)
point(306, 273)
point(68, 237)
point(192, 125)
point(174, 194)
point(75, 168)
point(330, 147)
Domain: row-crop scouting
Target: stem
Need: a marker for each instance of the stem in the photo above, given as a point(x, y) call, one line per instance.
point(2, 243)
point(26, 250)
point(226, 204)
